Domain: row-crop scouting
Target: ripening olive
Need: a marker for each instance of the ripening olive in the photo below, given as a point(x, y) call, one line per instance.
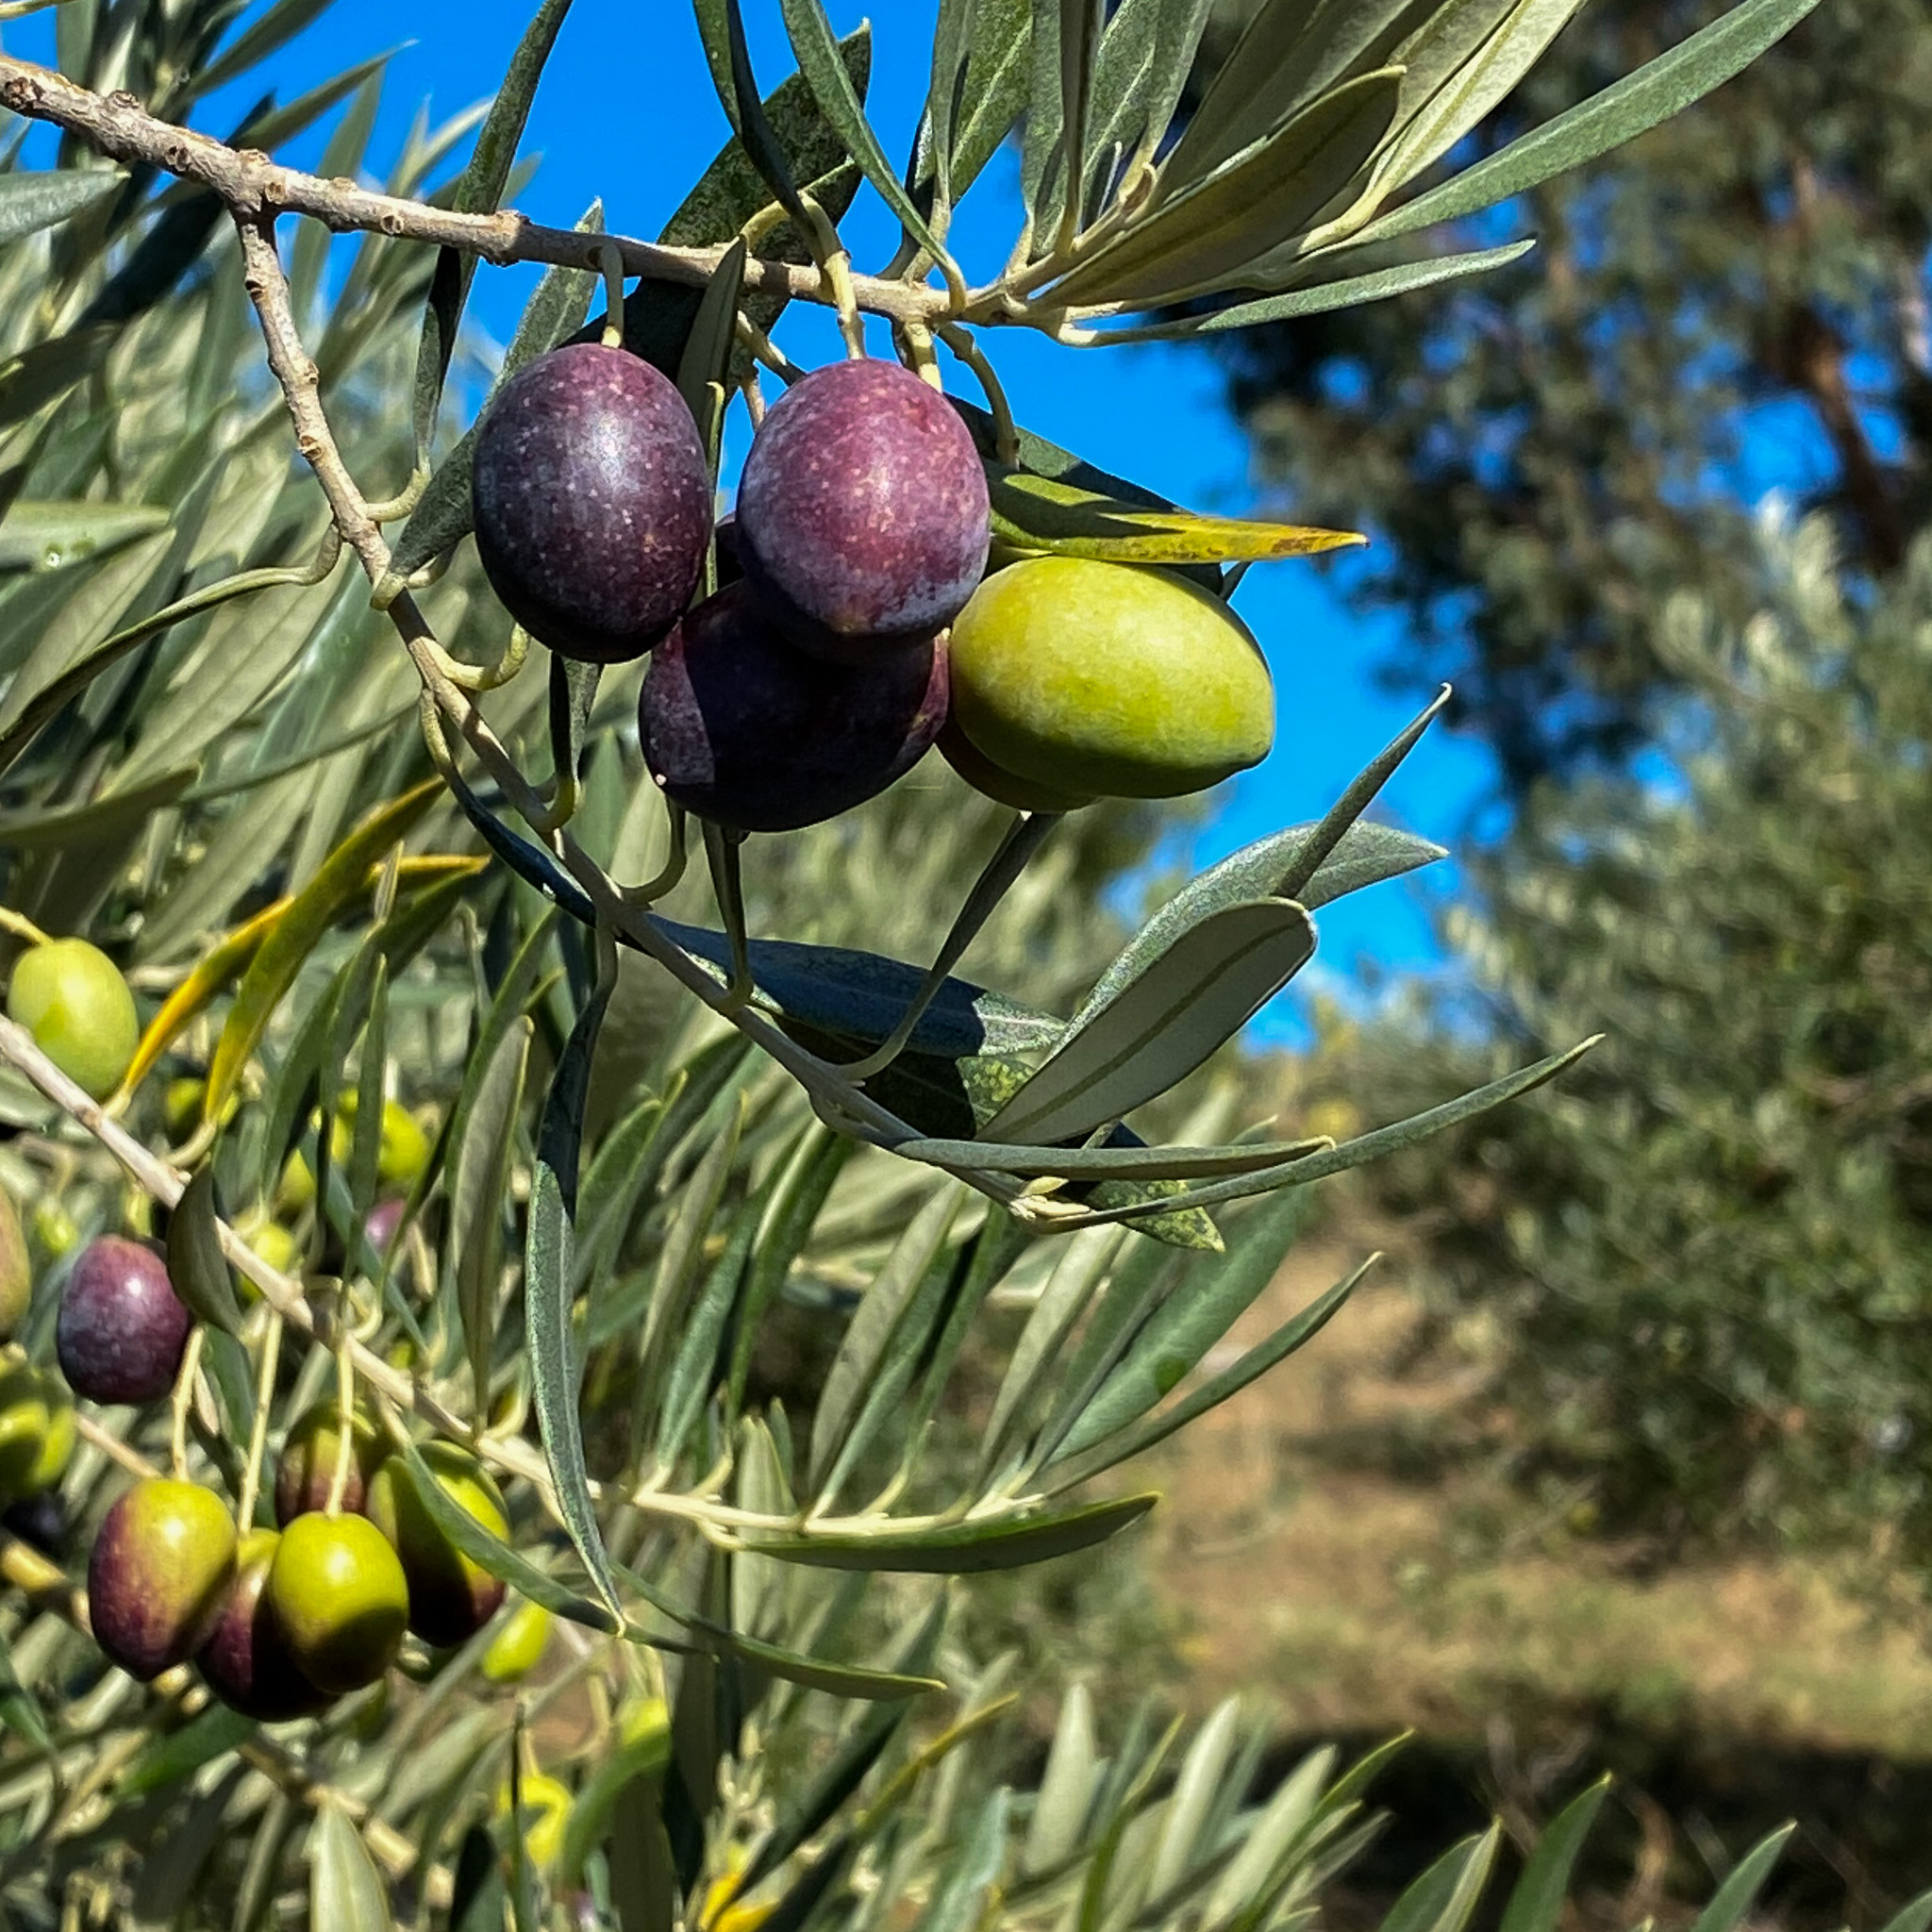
point(862, 510)
point(122, 1327)
point(246, 1660)
point(71, 998)
point(592, 501)
point(158, 1572)
point(16, 1272)
point(307, 1465)
point(743, 729)
point(339, 1595)
point(1108, 679)
point(451, 1597)
point(37, 1432)
point(517, 1646)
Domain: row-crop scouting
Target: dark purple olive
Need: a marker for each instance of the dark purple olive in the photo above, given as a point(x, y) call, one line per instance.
point(246, 1660)
point(159, 1574)
point(121, 1328)
point(862, 510)
point(593, 502)
point(743, 729)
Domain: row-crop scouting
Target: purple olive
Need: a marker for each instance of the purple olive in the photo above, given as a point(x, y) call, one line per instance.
point(743, 729)
point(246, 1660)
point(862, 512)
point(121, 1328)
point(158, 1575)
point(593, 502)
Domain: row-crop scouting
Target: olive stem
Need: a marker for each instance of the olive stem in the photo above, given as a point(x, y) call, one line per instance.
point(1022, 839)
point(21, 927)
point(608, 259)
point(345, 1430)
point(183, 1401)
point(258, 1434)
point(727, 883)
point(763, 349)
point(676, 857)
point(835, 264)
point(393, 509)
point(1006, 433)
point(914, 341)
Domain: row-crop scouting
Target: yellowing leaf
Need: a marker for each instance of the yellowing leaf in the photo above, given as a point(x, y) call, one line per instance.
point(297, 932)
point(1039, 513)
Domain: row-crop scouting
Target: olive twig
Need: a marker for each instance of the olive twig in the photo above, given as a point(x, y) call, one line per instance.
point(257, 1433)
point(182, 1401)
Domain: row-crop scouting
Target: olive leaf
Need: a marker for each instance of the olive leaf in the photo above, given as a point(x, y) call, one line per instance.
point(481, 1183)
point(1033, 512)
point(1202, 237)
point(197, 1269)
point(50, 536)
point(29, 202)
point(990, 95)
point(478, 190)
point(962, 1549)
point(1165, 1021)
point(1535, 1903)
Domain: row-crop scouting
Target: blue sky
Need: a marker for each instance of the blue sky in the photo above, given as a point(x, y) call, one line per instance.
point(627, 111)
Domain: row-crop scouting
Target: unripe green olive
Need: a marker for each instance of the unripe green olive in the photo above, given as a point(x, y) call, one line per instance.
point(55, 1229)
point(451, 1597)
point(16, 1272)
point(1002, 787)
point(1108, 679)
point(401, 1152)
point(71, 998)
point(37, 1432)
point(159, 1574)
point(517, 1646)
point(543, 1812)
point(307, 1469)
point(339, 1593)
point(247, 1658)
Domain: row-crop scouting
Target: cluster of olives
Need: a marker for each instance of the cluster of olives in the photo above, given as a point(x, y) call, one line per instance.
point(281, 1622)
point(856, 623)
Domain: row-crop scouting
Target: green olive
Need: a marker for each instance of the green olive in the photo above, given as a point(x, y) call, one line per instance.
point(517, 1646)
point(71, 998)
point(543, 1810)
point(339, 1593)
point(1108, 679)
point(37, 1432)
point(451, 1597)
point(306, 1472)
point(1002, 787)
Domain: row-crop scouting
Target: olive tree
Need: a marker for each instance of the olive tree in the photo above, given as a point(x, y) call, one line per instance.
point(456, 1549)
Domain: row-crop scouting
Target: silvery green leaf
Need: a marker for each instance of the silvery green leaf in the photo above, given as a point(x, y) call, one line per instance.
point(817, 48)
point(365, 1138)
point(872, 1333)
point(1079, 48)
point(1269, 1838)
point(1145, 60)
point(1536, 1904)
point(963, 1549)
point(1738, 1892)
point(482, 1162)
point(1066, 1787)
point(1136, 1162)
point(1447, 109)
point(967, 1893)
point(1913, 1917)
point(1076, 1278)
point(952, 50)
point(1290, 52)
point(998, 73)
point(1202, 237)
point(1630, 106)
point(1043, 169)
point(1185, 1325)
point(51, 536)
point(478, 190)
point(1320, 298)
point(1179, 1847)
point(1443, 1897)
point(721, 23)
point(344, 1888)
point(1375, 1146)
point(1165, 1021)
point(1071, 1471)
point(1312, 864)
point(555, 1371)
point(32, 201)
